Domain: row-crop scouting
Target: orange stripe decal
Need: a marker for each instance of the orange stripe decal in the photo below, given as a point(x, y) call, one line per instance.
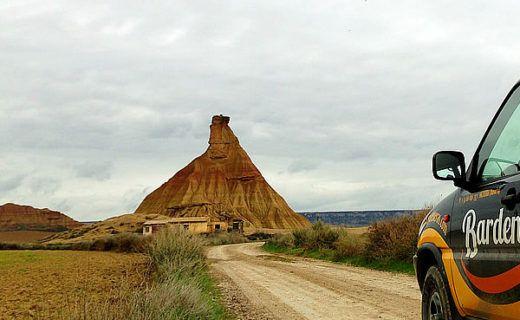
point(495, 284)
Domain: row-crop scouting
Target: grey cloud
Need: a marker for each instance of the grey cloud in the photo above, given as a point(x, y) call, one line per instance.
point(302, 165)
point(10, 182)
point(63, 206)
point(46, 186)
point(98, 170)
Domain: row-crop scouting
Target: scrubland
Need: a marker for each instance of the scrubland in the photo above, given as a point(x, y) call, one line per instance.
point(386, 245)
point(164, 277)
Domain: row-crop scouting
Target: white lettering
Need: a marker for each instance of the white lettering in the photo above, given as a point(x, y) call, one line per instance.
point(504, 231)
point(468, 227)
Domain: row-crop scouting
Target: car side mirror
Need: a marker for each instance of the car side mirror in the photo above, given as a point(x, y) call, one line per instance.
point(449, 165)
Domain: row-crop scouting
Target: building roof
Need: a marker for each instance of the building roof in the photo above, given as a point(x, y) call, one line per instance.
point(177, 220)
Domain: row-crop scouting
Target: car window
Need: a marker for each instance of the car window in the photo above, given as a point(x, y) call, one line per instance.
point(500, 152)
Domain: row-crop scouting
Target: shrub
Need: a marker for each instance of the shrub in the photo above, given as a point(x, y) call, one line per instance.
point(259, 236)
point(175, 252)
point(319, 236)
point(285, 240)
point(394, 239)
point(220, 238)
point(349, 245)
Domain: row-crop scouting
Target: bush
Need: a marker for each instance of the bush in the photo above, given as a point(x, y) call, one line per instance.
point(349, 245)
point(259, 236)
point(175, 252)
point(282, 240)
point(220, 238)
point(319, 236)
point(394, 239)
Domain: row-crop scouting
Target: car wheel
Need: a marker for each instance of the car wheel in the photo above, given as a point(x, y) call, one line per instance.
point(435, 299)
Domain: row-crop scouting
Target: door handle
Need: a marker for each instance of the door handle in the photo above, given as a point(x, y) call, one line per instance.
point(511, 198)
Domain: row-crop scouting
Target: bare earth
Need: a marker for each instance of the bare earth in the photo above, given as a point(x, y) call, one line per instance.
point(259, 285)
point(56, 284)
point(24, 236)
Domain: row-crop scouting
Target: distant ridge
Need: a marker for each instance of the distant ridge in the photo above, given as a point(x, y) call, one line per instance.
point(14, 217)
point(355, 218)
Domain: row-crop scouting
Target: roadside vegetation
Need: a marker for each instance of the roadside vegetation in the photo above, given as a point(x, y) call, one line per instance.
point(220, 238)
point(387, 245)
point(175, 279)
point(180, 286)
point(123, 242)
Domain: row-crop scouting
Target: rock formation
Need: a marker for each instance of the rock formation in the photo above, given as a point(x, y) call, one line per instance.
point(17, 217)
point(223, 181)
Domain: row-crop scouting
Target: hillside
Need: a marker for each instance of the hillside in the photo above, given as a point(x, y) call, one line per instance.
point(14, 217)
point(126, 223)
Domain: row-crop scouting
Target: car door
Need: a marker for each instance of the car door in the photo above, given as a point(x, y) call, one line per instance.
point(485, 235)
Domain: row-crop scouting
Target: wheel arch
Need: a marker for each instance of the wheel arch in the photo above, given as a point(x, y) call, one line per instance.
point(427, 255)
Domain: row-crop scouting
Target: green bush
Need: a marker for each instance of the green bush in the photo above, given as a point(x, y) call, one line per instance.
point(284, 240)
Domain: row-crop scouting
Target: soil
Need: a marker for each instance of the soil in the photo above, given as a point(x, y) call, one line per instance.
point(52, 284)
point(257, 285)
point(24, 236)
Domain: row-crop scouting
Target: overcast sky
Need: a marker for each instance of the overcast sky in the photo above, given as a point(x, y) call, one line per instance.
point(340, 104)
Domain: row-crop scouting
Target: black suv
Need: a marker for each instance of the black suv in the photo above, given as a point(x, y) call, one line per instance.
point(468, 257)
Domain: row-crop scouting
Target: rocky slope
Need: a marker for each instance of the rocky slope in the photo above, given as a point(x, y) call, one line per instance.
point(222, 181)
point(126, 223)
point(18, 217)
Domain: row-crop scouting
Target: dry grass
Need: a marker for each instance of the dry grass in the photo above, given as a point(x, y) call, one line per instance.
point(181, 287)
point(170, 281)
point(394, 239)
point(390, 242)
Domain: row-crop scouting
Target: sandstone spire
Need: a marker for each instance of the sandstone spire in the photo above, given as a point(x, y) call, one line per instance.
point(222, 181)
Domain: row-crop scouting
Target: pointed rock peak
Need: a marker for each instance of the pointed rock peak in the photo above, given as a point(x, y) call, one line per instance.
point(220, 137)
point(222, 182)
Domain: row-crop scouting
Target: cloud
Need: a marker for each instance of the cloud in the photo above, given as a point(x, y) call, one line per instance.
point(46, 186)
point(323, 97)
point(10, 182)
point(100, 171)
point(301, 166)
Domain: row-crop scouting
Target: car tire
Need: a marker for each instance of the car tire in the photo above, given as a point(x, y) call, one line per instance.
point(435, 297)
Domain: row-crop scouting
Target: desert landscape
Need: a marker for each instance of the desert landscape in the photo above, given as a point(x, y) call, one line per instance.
point(258, 160)
point(215, 240)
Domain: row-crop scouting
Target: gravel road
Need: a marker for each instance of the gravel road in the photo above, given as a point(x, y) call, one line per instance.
point(258, 285)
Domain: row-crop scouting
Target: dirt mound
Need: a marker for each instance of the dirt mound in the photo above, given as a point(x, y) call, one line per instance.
point(223, 181)
point(15, 217)
point(127, 223)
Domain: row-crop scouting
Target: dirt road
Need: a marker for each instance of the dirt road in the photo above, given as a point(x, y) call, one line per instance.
point(258, 285)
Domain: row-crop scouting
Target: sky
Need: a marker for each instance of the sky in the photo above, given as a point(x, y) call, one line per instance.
point(341, 105)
